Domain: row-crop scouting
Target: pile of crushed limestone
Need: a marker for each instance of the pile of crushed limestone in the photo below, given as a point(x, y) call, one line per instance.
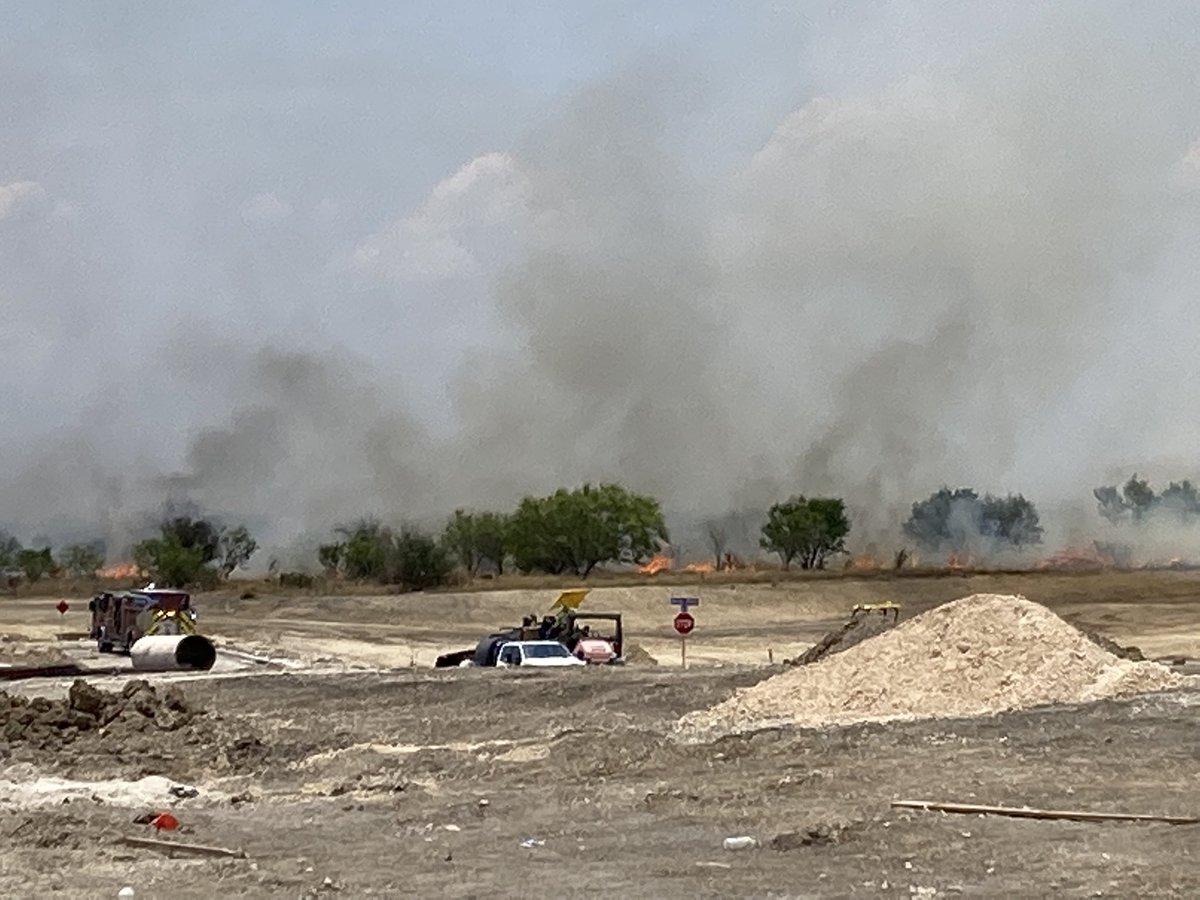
point(139, 728)
point(983, 654)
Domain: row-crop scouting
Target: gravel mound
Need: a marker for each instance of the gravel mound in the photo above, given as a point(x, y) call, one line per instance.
point(975, 656)
point(637, 655)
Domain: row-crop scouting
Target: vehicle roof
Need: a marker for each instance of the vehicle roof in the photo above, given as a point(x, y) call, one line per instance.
point(534, 644)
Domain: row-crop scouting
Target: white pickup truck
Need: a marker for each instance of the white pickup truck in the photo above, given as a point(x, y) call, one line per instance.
point(538, 654)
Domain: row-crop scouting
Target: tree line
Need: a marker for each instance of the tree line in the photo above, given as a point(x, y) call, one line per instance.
point(573, 531)
point(1136, 502)
point(186, 551)
point(566, 532)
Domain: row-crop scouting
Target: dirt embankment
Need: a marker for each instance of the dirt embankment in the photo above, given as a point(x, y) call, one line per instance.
point(139, 731)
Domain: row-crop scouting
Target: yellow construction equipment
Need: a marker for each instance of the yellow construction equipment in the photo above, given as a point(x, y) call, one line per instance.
point(884, 609)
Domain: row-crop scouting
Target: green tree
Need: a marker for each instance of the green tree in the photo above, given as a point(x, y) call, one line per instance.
point(330, 557)
point(194, 534)
point(807, 530)
point(476, 538)
point(236, 548)
point(366, 550)
point(372, 551)
point(461, 538)
point(574, 531)
point(1181, 499)
point(953, 521)
point(81, 560)
point(9, 548)
point(1139, 497)
point(1012, 520)
point(1110, 503)
point(35, 564)
point(169, 561)
point(491, 532)
point(946, 521)
point(1136, 500)
point(418, 561)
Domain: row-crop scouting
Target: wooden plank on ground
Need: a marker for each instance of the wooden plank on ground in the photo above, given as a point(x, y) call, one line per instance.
point(177, 847)
point(1024, 812)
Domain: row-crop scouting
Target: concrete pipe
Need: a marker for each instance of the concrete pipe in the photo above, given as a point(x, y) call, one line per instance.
point(172, 652)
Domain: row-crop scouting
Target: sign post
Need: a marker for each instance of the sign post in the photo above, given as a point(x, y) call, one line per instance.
point(684, 623)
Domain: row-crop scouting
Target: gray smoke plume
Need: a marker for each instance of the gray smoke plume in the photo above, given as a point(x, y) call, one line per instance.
point(965, 256)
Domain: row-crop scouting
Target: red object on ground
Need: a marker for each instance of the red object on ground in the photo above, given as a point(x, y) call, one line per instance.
point(165, 822)
point(62, 607)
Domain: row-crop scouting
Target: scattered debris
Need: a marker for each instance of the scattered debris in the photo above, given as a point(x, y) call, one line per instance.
point(813, 836)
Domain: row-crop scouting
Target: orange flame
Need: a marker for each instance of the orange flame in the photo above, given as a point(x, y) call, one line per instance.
point(656, 564)
point(958, 562)
point(1073, 559)
point(120, 570)
point(701, 567)
point(863, 563)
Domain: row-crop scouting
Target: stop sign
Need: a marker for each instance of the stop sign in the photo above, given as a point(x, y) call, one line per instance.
point(684, 622)
point(62, 607)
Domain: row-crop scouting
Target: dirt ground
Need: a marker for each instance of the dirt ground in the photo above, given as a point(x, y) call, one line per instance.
point(379, 776)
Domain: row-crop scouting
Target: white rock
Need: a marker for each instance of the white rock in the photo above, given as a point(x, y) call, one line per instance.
point(744, 842)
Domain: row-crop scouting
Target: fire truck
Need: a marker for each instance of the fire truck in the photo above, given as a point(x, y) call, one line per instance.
point(118, 620)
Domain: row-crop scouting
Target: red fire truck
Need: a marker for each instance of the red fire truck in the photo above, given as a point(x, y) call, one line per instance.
point(118, 620)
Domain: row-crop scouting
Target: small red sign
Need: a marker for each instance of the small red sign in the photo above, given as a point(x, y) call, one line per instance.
point(62, 607)
point(685, 622)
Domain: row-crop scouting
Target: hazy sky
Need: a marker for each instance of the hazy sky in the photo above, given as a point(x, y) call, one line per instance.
point(304, 260)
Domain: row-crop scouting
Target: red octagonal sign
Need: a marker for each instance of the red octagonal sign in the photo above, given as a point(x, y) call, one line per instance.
point(684, 622)
point(62, 607)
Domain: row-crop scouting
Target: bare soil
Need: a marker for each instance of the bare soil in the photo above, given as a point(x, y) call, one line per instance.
point(400, 780)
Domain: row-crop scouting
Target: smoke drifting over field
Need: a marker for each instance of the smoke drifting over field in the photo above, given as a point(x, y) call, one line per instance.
point(964, 255)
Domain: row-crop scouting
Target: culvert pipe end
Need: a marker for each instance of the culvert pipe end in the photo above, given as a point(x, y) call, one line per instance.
point(173, 653)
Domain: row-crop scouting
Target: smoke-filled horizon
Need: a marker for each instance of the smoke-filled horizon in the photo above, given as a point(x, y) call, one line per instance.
point(418, 261)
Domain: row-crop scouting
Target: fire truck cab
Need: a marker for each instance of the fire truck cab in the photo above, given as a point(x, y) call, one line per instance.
point(118, 620)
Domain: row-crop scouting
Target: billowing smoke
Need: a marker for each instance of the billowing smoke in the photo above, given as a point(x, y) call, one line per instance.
point(966, 257)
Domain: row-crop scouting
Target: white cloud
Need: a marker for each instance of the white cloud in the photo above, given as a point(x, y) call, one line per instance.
point(469, 222)
point(265, 208)
point(13, 196)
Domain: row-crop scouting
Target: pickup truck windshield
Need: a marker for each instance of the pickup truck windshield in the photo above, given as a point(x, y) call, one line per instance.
point(545, 651)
